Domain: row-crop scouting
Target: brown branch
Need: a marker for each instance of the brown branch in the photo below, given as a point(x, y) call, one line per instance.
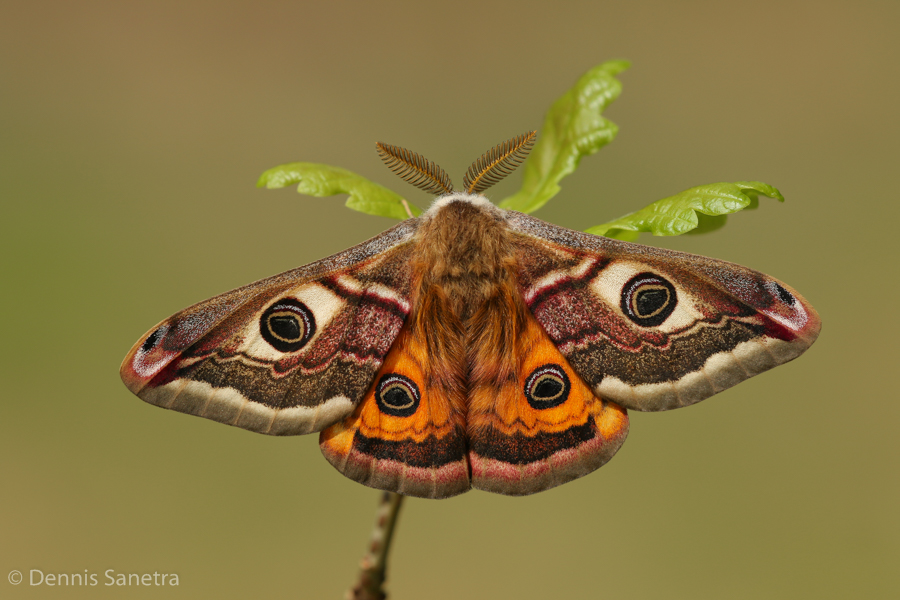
point(373, 566)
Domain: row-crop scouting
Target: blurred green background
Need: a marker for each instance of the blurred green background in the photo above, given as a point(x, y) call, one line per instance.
point(131, 137)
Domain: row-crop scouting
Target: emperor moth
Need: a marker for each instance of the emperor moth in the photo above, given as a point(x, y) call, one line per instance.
point(471, 347)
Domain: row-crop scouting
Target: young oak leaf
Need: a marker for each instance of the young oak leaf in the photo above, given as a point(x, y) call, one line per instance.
point(696, 210)
point(319, 180)
point(574, 127)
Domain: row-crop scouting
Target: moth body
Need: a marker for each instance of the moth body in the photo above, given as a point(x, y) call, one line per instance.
point(463, 249)
point(472, 347)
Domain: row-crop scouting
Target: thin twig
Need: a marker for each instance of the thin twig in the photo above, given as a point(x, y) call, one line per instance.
point(373, 566)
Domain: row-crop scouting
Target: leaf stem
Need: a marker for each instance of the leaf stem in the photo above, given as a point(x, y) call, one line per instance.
point(407, 208)
point(373, 566)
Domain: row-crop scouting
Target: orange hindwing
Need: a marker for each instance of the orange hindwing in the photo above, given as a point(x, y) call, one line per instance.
point(540, 427)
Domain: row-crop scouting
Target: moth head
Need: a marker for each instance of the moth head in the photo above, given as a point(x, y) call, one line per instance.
point(490, 168)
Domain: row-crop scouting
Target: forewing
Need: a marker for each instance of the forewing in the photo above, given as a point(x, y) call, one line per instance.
point(286, 355)
point(654, 329)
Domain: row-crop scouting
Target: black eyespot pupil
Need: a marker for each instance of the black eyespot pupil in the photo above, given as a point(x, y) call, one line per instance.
point(286, 327)
point(650, 301)
point(396, 397)
point(547, 388)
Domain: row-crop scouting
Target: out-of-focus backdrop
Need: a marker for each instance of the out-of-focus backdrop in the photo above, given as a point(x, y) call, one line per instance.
point(131, 137)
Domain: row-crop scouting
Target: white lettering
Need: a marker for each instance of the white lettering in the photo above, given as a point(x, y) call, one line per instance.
point(38, 577)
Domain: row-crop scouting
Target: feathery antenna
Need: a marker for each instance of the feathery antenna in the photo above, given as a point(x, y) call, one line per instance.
point(415, 169)
point(497, 163)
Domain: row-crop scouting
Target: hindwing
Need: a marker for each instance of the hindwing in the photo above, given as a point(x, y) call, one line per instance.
point(483, 401)
point(408, 434)
point(541, 426)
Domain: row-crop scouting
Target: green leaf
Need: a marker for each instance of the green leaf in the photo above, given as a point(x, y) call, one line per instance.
point(697, 210)
point(319, 180)
point(573, 128)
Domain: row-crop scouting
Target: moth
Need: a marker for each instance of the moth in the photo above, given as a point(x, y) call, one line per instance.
point(471, 347)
